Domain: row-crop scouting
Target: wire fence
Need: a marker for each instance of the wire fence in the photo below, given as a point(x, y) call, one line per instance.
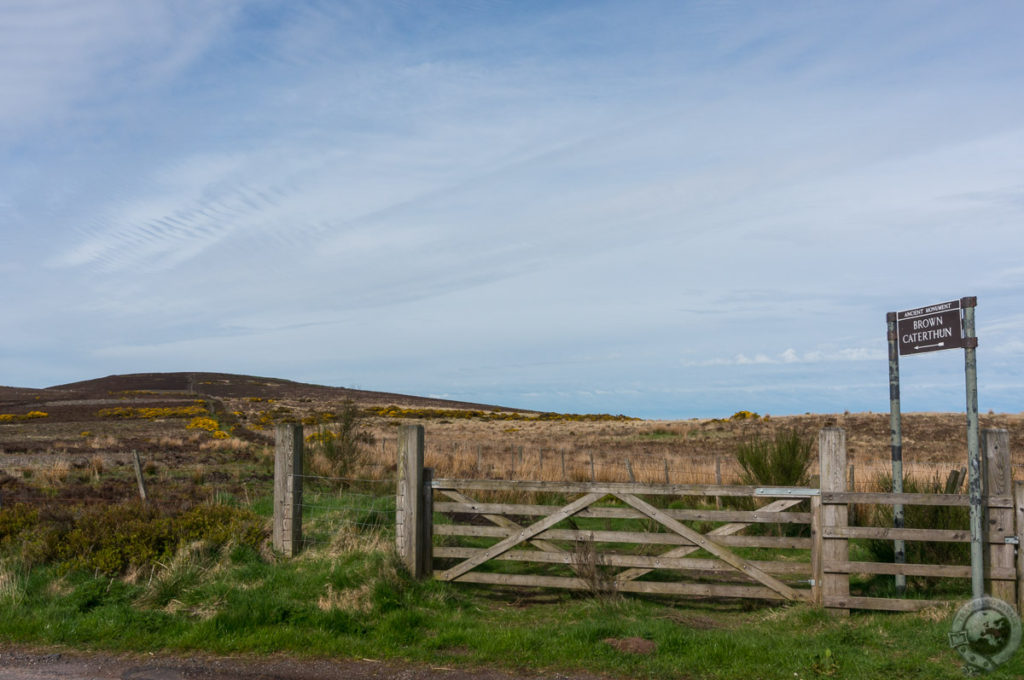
point(337, 510)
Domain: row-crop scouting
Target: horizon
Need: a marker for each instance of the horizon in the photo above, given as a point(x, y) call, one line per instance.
point(663, 209)
point(722, 416)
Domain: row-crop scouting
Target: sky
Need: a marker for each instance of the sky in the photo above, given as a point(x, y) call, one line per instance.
point(662, 209)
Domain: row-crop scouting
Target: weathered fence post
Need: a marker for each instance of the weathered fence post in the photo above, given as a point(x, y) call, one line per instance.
point(409, 533)
point(288, 489)
point(817, 572)
point(997, 481)
point(426, 525)
point(137, 464)
point(834, 551)
point(1018, 505)
point(851, 485)
point(718, 480)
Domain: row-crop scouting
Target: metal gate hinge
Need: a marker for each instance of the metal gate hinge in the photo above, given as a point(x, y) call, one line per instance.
point(1012, 540)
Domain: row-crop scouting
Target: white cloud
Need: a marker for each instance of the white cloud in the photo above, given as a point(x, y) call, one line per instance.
point(791, 356)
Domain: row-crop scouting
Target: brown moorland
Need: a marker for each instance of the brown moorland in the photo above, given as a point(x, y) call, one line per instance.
point(204, 433)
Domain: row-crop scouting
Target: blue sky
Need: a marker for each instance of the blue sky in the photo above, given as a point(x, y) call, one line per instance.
point(664, 209)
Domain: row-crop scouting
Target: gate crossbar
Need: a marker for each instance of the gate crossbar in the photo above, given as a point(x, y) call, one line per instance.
point(503, 522)
point(524, 535)
point(724, 530)
point(715, 549)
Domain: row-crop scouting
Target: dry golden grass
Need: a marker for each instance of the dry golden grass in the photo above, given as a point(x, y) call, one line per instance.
point(56, 472)
point(681, 452)
point(104, 442)
point(231, 444)
point(96, 464)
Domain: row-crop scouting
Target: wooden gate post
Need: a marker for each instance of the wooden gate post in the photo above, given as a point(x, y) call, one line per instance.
point(409, 529)
point(426, 537)
point(1018, 506)
point(817, 568)
point(997, 480)
point(832, 471)
point(288, 489)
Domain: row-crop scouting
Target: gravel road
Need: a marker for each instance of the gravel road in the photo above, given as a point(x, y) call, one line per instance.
point(19, 664)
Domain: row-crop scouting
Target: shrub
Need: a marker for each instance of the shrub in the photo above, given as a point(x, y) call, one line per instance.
point(340, 447)
point(203, 423)
point(781, 461)
point(113, 539)
point(154, 412)
point(16, 519)
point(14, 417)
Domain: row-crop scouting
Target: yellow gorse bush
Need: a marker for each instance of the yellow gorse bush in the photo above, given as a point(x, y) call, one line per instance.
point(153, 412)
point(13, 417)
point(323, 436)
point(396, 412)
point(202, 423)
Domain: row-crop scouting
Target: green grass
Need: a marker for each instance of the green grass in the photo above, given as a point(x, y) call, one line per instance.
point(238, 603)
point(347, 597)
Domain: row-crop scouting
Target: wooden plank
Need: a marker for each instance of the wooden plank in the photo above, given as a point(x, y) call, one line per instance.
point(715, 549)
point(725, 530)
point(937, 570)
point(891, 533)
point(884, 603)
point(867, 497)
point(522, 535)
point(639, 537)
point(997, 480)
point(626, 487)
point(498, 519)
point(832, 467)
point(648, 562)
point(744, 516)
point(648, 587)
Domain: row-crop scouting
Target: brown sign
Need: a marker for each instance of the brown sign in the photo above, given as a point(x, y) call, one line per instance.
point(930, 329)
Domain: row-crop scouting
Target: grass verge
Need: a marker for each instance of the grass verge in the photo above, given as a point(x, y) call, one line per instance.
point(350, 599)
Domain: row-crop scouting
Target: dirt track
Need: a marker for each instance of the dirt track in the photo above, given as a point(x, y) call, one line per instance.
point(17, 664)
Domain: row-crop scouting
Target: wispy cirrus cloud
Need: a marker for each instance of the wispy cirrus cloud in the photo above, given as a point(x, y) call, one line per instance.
point(509, 201)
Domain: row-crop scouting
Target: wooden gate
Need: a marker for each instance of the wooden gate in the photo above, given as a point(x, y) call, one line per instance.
point(670, 539)
point(620, 536)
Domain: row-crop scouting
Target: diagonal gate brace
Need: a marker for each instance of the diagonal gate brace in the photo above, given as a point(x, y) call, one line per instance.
point(526, 534)
point(504, 522)
point(715, 549)
point(724, 530)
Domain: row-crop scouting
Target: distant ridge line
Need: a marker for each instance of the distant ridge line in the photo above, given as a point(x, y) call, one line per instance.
point(240, 385)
